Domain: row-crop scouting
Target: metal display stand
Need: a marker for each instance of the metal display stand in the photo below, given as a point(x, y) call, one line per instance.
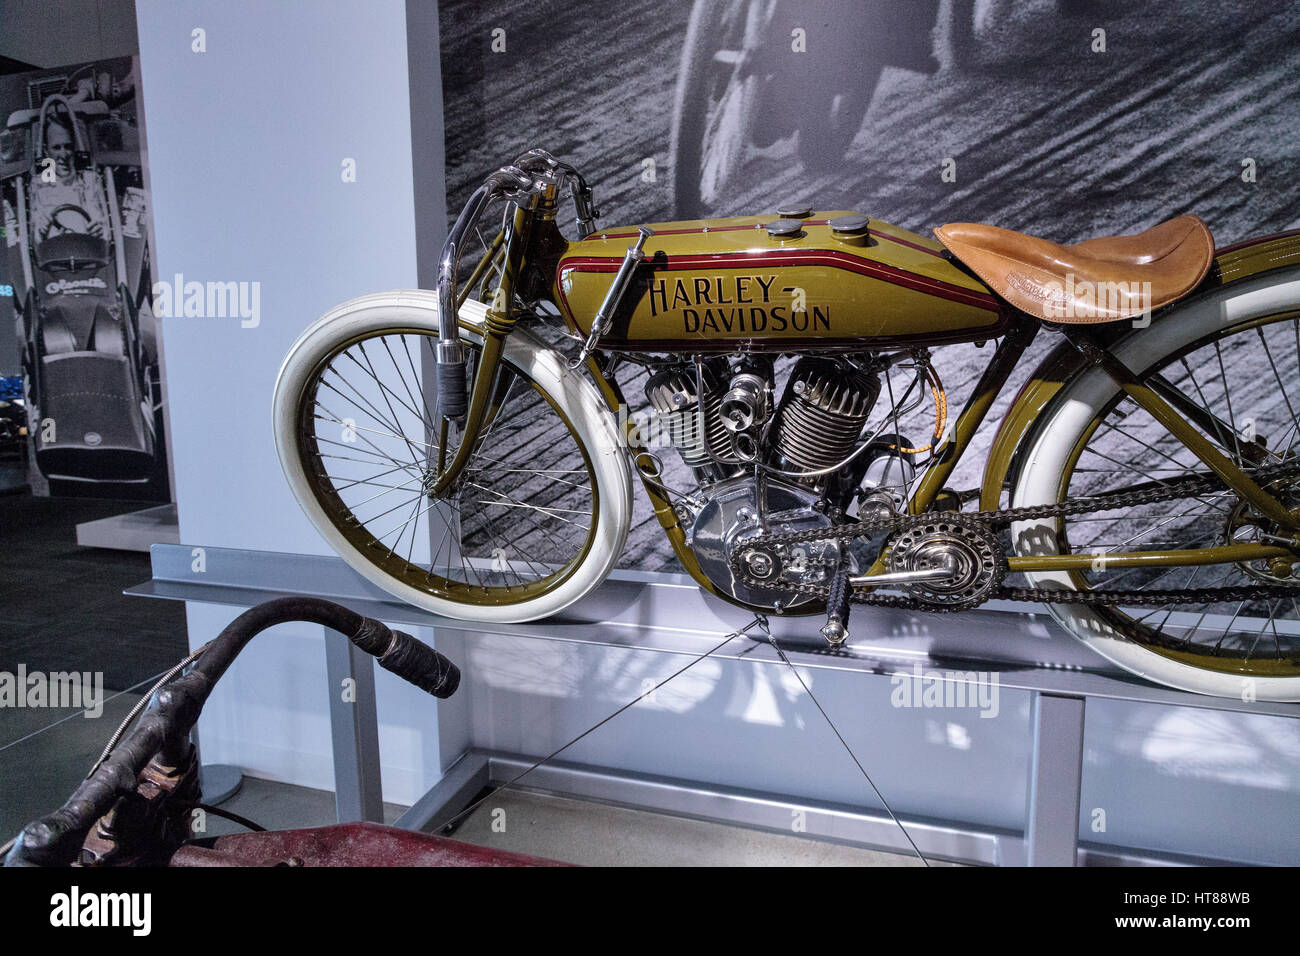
point(613, 617)
point(220, 782)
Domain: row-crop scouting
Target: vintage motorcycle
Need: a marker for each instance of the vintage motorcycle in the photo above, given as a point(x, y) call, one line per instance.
point(1144, 484)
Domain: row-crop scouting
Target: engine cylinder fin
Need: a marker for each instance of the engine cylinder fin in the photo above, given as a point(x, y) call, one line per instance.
point(672, 393)
point(822, 415)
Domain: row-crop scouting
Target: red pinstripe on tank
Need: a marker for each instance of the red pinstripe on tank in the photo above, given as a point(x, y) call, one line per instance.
point(812, 257)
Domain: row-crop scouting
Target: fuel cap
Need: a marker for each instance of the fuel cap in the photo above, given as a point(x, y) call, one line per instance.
point(785, 228)
point(793, 212)
point(853, 225)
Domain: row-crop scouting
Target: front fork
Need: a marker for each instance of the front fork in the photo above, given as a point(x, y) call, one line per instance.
point(532, 184)
point(500, 322)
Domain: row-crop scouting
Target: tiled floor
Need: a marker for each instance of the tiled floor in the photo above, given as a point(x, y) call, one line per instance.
point(46, 753)
point(61, 605)
point(62, 609)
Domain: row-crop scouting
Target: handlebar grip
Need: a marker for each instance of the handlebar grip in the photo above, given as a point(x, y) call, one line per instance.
point(417, 662)
point(453, 401)
point(408, 658)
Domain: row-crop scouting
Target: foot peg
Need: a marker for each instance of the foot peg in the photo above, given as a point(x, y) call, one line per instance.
point(836, 630)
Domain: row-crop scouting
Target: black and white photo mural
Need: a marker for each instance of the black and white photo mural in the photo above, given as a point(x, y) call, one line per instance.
point(1065, 119)
point(78, 334)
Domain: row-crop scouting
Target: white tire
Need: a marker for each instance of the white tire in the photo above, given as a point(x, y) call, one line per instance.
point(1053, 439)
point(591, 423)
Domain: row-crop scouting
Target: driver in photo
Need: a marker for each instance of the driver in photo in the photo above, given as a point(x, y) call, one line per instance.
point(69, 187)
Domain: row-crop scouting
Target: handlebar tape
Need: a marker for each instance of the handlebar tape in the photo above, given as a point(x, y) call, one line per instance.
point(408, 658)
point(452, 399)
point(163, 730)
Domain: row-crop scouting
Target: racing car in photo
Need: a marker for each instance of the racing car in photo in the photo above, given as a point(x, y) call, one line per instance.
point(76, 245)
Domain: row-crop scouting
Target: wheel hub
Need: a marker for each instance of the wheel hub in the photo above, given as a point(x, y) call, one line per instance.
point(1244, 526)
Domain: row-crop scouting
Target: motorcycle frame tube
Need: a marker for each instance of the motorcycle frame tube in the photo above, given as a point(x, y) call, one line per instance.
point(1159, 409)
point(987, 389)
point(1034, 397)
point(1225, 554)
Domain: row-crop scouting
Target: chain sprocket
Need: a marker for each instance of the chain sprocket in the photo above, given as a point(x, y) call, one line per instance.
point(1190, 486)
point(967, 547)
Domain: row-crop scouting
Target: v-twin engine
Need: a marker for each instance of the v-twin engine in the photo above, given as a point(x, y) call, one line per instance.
point(822, 414)
point(723, 422)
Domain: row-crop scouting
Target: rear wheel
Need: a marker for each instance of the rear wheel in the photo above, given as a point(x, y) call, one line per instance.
point(541, 510)
point(1235, 354)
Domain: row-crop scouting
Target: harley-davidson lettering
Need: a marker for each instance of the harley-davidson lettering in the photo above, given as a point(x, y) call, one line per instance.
point(730, 304)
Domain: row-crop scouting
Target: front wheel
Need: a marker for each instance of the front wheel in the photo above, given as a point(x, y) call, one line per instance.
point(535, 520)
point(1235, 354)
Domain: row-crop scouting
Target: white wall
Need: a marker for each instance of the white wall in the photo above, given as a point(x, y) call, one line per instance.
point(246, 146)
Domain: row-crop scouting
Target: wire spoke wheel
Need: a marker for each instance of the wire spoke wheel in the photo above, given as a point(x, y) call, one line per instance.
point(1236, 385)
point(533, 521)
point(517, 520)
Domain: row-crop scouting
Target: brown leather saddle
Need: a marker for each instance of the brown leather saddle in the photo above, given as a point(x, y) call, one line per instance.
point(1098, 280)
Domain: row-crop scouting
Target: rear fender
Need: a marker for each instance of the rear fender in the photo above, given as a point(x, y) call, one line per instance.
point(1235, 263)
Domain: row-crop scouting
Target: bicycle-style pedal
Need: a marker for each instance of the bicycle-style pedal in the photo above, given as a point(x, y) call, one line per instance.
point(836, 629)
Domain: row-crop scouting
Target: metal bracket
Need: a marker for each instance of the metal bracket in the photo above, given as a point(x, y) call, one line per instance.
point(354, 729)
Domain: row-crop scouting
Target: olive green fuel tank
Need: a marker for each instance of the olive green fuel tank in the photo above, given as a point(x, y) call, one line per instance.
point(827, 280)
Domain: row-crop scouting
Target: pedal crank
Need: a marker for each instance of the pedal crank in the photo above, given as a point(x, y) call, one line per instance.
point(836, 628)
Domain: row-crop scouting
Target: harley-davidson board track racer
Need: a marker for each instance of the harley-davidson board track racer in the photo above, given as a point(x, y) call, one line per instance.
point(1144, 484)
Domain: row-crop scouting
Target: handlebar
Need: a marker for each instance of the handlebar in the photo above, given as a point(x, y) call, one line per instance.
point(163, 731)
point(534, 175)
